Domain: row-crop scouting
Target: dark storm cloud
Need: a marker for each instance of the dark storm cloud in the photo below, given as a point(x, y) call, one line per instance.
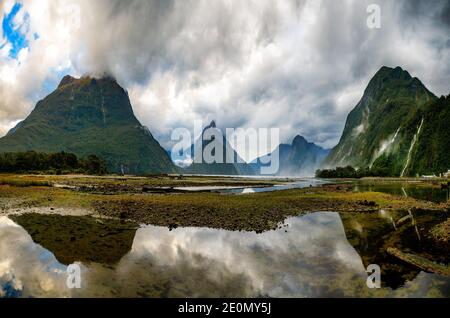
point(438, 10)
point(137, 38)
point(445, 15)
point(297, 65)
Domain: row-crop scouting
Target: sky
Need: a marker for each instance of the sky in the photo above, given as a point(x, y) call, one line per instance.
point(299, 66)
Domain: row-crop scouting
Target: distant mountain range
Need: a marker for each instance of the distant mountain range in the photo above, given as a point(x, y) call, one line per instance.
point(299, 159)
point(90, 116)
point(399, 127)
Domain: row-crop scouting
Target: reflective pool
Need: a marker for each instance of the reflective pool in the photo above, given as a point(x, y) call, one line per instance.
point(314, 255)
point(426, 193)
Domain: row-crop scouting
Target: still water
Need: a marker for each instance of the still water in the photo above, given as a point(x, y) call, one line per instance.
point(298, 184)
point(313, 255)
point(426, 193)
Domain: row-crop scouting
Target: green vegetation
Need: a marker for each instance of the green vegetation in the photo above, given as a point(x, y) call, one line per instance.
point(350, 172)
point(90, 117)
point(374, 126)
point(339, 172)
point(430, 153)
point(53, 163)
point(397, 129)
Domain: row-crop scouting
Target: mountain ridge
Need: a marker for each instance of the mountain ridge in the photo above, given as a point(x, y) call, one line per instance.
point(398, 128)
point(391, 97)
point(199, 166)
point(90, 116)
point(300, 158)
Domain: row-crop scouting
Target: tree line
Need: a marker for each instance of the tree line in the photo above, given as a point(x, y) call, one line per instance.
point(350, 172)
point(52, 163)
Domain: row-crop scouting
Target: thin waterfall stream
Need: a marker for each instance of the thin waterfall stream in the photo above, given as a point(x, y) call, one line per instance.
point(413, 142)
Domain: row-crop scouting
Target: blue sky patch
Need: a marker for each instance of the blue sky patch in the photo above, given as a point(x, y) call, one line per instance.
point(12, 33)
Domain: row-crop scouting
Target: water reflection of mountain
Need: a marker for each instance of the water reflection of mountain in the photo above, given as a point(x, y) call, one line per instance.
point(314, 255)
point(431, 193)
point(79, 239)
point(372, 233)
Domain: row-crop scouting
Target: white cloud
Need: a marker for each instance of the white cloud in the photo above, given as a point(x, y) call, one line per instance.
point(297, 65)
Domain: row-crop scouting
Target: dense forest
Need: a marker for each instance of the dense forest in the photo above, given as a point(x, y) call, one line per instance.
point(350, 172)
point(52, 163)
point(89, 116)
point(428, 155)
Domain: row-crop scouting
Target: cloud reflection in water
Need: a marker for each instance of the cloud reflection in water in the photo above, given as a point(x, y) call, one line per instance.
point(311, 257)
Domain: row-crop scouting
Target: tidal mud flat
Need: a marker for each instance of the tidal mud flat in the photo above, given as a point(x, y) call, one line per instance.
point(132, 198)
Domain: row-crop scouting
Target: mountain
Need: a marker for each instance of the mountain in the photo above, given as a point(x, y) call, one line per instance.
point(90, 116)
point(376, 127)
point(200, 166)
point(301, 158)
point(422, 146)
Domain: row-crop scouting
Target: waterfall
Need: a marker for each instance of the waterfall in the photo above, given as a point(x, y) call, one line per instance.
point(102, 108)
point(383, 147)
point(413, 142)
